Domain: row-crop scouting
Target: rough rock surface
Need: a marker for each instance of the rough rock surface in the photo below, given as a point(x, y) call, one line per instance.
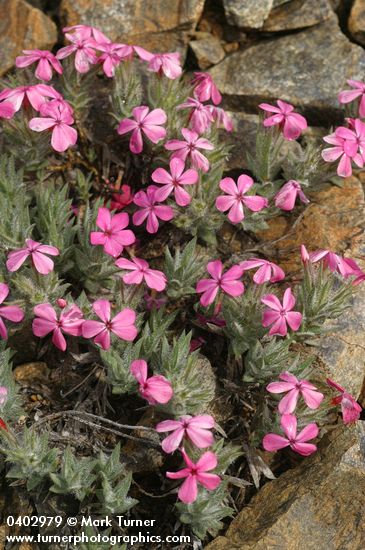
point(242, 139)
point(248, 14)
point(297, 15)
point(318, 505)
point(159, 25)
point(22, 27)
point(356, 21)
point(208, 51)
point(334, 221)
point(307, 69)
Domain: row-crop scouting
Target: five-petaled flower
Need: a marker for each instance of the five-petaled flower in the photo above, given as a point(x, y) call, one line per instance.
point(195, 428)
point(345, 266)
point(291, 123)
point(190, 148)
point(46, 321)
point(348, 145)
point(236, 198)
point(139, 271)
point(228, 282)
point(294, 388)
point(122, 324)
point(112, 55)
point(268, 271)
point(11, 313)
point(347, 96)
point(297, 442)
point(279, 315)
point(350, 409)
point(150, 210)
point(46, 62)
point(161, 63)
point(205, 88)
point(200, 117)
point(145, 121)
point(113, 235)
point(286, 197)
point(174, 181)
point(194, 474)
point(34, 95)
point(37, 253)
point(82, 44)
point(56, 116)
point(155, 389)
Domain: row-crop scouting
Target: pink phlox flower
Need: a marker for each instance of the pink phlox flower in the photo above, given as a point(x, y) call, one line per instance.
point(146, 122)
point(3, 395)
point(227, 282)
point(279, 315)
point(347, 96)
point(155, 389)
point(86, 31)
point(221, 118)
point(291, 123)
point(175, 181)
point(140, 271)
point(150, 210)
point(348, 145)
point(268, 271)
point(56, 116)
point(286, 197)
point(113, 235)
point(213, 320)
point(69, 322)
point(195, 428)
point(122, 198)
point(344, 266)
point(122, 325)
point(297, 442)
point(29, 95)
point(190, 148)
point(236, 198)
point(162, 63)
point(194, 474)
point(205, 88)
point(350, 409)
point(200, 117)
point(37, 253)
point(10, 313)
point(83, 46)
point(46, 62)
point(295, 388)
point(112, 55)
point(7, 109)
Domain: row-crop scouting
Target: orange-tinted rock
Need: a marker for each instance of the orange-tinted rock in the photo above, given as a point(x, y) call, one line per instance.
point(332, 220)
point(318, 505)
point(158, 25)
point(23, 27)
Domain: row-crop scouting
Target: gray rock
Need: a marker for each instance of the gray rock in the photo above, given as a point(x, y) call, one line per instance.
point(208, 51)
point(317, 505)
point(297, 15)
point(307, 69)
point(356, 21)
point(247, 13)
